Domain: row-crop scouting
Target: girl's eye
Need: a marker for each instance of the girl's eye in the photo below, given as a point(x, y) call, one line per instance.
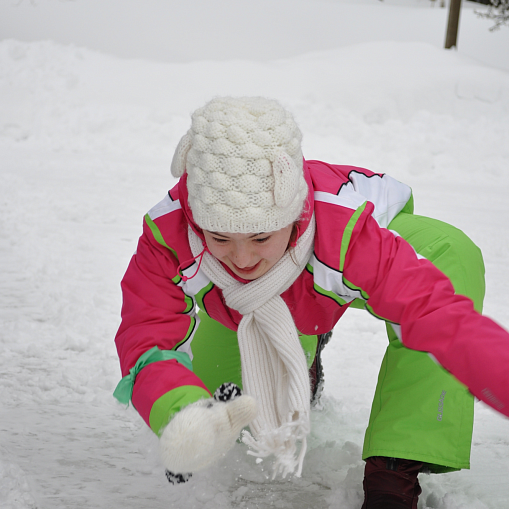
point(220, 241)
point(262, 240)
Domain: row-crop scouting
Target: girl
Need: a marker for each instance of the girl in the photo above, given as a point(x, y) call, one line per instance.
point(247, 264)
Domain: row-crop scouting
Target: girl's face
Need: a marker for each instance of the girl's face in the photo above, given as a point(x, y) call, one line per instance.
point(249, 255)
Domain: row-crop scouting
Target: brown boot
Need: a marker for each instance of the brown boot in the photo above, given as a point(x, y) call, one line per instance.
point(391, 483)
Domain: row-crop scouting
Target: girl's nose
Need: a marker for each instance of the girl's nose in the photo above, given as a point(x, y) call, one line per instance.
point(241, 256)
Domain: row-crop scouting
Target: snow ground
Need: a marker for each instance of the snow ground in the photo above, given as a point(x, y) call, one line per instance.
point(86, 139)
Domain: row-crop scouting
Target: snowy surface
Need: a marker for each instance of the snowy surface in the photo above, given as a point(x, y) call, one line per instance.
point(86, 140)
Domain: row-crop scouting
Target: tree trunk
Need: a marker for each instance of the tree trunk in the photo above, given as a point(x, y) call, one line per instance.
point(453, 23)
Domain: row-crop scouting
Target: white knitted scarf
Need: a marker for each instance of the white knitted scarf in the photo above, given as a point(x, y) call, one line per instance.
point(274, 368)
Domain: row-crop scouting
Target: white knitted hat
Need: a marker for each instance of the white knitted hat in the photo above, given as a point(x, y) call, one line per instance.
point(244, 166)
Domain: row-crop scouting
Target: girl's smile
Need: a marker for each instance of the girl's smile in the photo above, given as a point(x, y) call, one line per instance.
point(249, 255)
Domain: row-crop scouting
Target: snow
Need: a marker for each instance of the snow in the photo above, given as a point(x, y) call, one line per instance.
point(89, 118)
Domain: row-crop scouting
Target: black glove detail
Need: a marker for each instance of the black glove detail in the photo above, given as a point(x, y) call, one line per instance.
point(177, 478)
point(227, 391)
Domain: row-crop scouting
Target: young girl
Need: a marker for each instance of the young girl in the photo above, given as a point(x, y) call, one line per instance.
point(247, 264)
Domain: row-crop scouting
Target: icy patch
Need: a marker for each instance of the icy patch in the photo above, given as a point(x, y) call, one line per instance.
point(332, 475)
point(15, 491)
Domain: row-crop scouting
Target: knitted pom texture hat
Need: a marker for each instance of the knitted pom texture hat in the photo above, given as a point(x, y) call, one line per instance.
point(244, 166)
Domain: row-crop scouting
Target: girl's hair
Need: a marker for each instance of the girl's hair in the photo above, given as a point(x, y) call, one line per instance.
point(294, 236)
point(293, 240)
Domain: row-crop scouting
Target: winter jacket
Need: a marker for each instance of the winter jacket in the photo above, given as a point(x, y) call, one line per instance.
point(355, 257)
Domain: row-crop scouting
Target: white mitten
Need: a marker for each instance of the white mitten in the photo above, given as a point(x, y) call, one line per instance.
point(204, 431)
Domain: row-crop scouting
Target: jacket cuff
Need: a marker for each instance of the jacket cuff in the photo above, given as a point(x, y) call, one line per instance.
point(171, 403)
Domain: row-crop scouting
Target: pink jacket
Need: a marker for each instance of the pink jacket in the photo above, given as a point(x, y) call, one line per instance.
point(355, 256)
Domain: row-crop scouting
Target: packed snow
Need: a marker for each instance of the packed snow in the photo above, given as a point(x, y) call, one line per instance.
point(87, 132)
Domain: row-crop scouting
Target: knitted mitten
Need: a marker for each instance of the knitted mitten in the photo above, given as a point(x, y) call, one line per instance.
point(204, 431)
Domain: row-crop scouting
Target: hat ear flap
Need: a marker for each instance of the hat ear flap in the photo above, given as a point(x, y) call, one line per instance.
point(286, 180)
point(178, 163)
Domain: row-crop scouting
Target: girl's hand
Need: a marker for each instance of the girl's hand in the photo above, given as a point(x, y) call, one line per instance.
point(204, 431)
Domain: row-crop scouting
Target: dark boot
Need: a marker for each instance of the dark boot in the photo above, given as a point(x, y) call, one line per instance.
point(316, 371)
point(391, 483)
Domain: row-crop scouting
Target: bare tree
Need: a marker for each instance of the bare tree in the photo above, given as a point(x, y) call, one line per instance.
point(451, 38)
point(498, 11)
